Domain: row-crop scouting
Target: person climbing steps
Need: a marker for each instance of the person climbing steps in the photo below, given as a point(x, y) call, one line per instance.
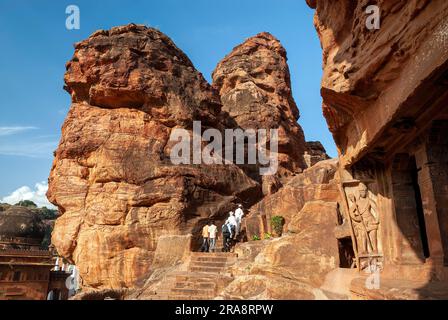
point(205, 238)
point(239, 214)
point(226, 236)
point(212, 233)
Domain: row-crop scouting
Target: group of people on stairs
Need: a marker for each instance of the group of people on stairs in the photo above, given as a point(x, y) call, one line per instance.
point(230, 231)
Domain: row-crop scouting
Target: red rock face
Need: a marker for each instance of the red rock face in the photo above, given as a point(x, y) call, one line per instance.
point(295, 265)
point(374, 77)
point(385, 93)
point(315, 152)
point(314, 184)
point(112, 178)
point(255, 88)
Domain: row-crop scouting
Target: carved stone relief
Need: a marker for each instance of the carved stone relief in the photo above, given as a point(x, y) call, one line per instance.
point(365, 221)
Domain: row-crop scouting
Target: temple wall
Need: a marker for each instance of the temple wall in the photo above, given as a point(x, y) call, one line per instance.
point(409, 197)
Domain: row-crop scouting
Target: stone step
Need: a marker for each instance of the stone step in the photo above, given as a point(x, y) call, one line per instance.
point(198, 267)
point(189, 276)
point(216, 270)
point(195, 292)
point(186, 292)
point(213, 259)
point(210, 258)
point(206, 273)
point(199, 277)
point(209, 264)
point(213, 254)
point(225, 256)
point(212, 263)
point(194, 285)
point(180, 297)
point(188, 297)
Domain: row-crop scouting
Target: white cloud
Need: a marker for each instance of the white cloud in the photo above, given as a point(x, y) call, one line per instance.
point(8, 131)
point(26, 193)
point(32, 149)
point(28, 145)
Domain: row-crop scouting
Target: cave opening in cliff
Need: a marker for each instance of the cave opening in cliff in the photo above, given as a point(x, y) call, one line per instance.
point(346, 253)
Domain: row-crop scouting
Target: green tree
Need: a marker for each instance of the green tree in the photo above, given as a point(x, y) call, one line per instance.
point(48, 214)
point(26, 203)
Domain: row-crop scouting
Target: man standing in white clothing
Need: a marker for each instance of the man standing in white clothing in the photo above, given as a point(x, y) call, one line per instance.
point(232, 223)
point(212, 231)
point(239, 213)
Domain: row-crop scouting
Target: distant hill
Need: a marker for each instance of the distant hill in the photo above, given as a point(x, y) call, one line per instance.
point(46, 215)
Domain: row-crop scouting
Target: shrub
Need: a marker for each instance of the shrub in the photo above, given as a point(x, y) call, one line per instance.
point(255, 237)
point(277, 223)
point(48, 214)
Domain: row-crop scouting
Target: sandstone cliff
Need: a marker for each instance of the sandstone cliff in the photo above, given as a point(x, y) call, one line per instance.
point(112, 178)
point(255, 88)
point(314, 184)
point(294, 266)
point(373, 79)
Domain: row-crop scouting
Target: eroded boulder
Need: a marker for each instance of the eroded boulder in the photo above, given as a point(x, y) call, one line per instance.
point(255, 89)
point(112, 178)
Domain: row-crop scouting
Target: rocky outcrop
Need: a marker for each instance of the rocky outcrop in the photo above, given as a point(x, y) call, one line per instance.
point(255, 88)
point(121, 198)
point(314, 184)
point(314, 153)
point(385, 93)
point(21, 222)
point(32, 225)
point(374, 79)
point(112, 178)
point(295, 265)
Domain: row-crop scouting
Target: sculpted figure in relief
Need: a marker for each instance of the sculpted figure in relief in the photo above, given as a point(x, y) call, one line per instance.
point(365, 224)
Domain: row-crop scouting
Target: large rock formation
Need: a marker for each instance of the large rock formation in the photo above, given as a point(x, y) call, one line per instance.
point(21, 222)
point(314, 184)
point(112, 177)
point(294, 266)
point(28, 223)
point(381, 208)
point(385, 93)
point(255, 88)
point(370, 75)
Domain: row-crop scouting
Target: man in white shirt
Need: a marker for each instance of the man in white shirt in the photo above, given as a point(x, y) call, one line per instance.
point(239, 213)
point(232, 223)
point(212, 231)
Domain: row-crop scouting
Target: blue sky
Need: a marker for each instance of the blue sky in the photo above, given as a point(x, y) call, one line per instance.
point(36, 45)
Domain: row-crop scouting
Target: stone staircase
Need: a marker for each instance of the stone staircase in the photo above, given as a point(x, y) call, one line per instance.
point(206, 276)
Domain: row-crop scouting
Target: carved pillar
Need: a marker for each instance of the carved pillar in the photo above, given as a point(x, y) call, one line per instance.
point(406, 201)
point(432, 160)
point(429, 206)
